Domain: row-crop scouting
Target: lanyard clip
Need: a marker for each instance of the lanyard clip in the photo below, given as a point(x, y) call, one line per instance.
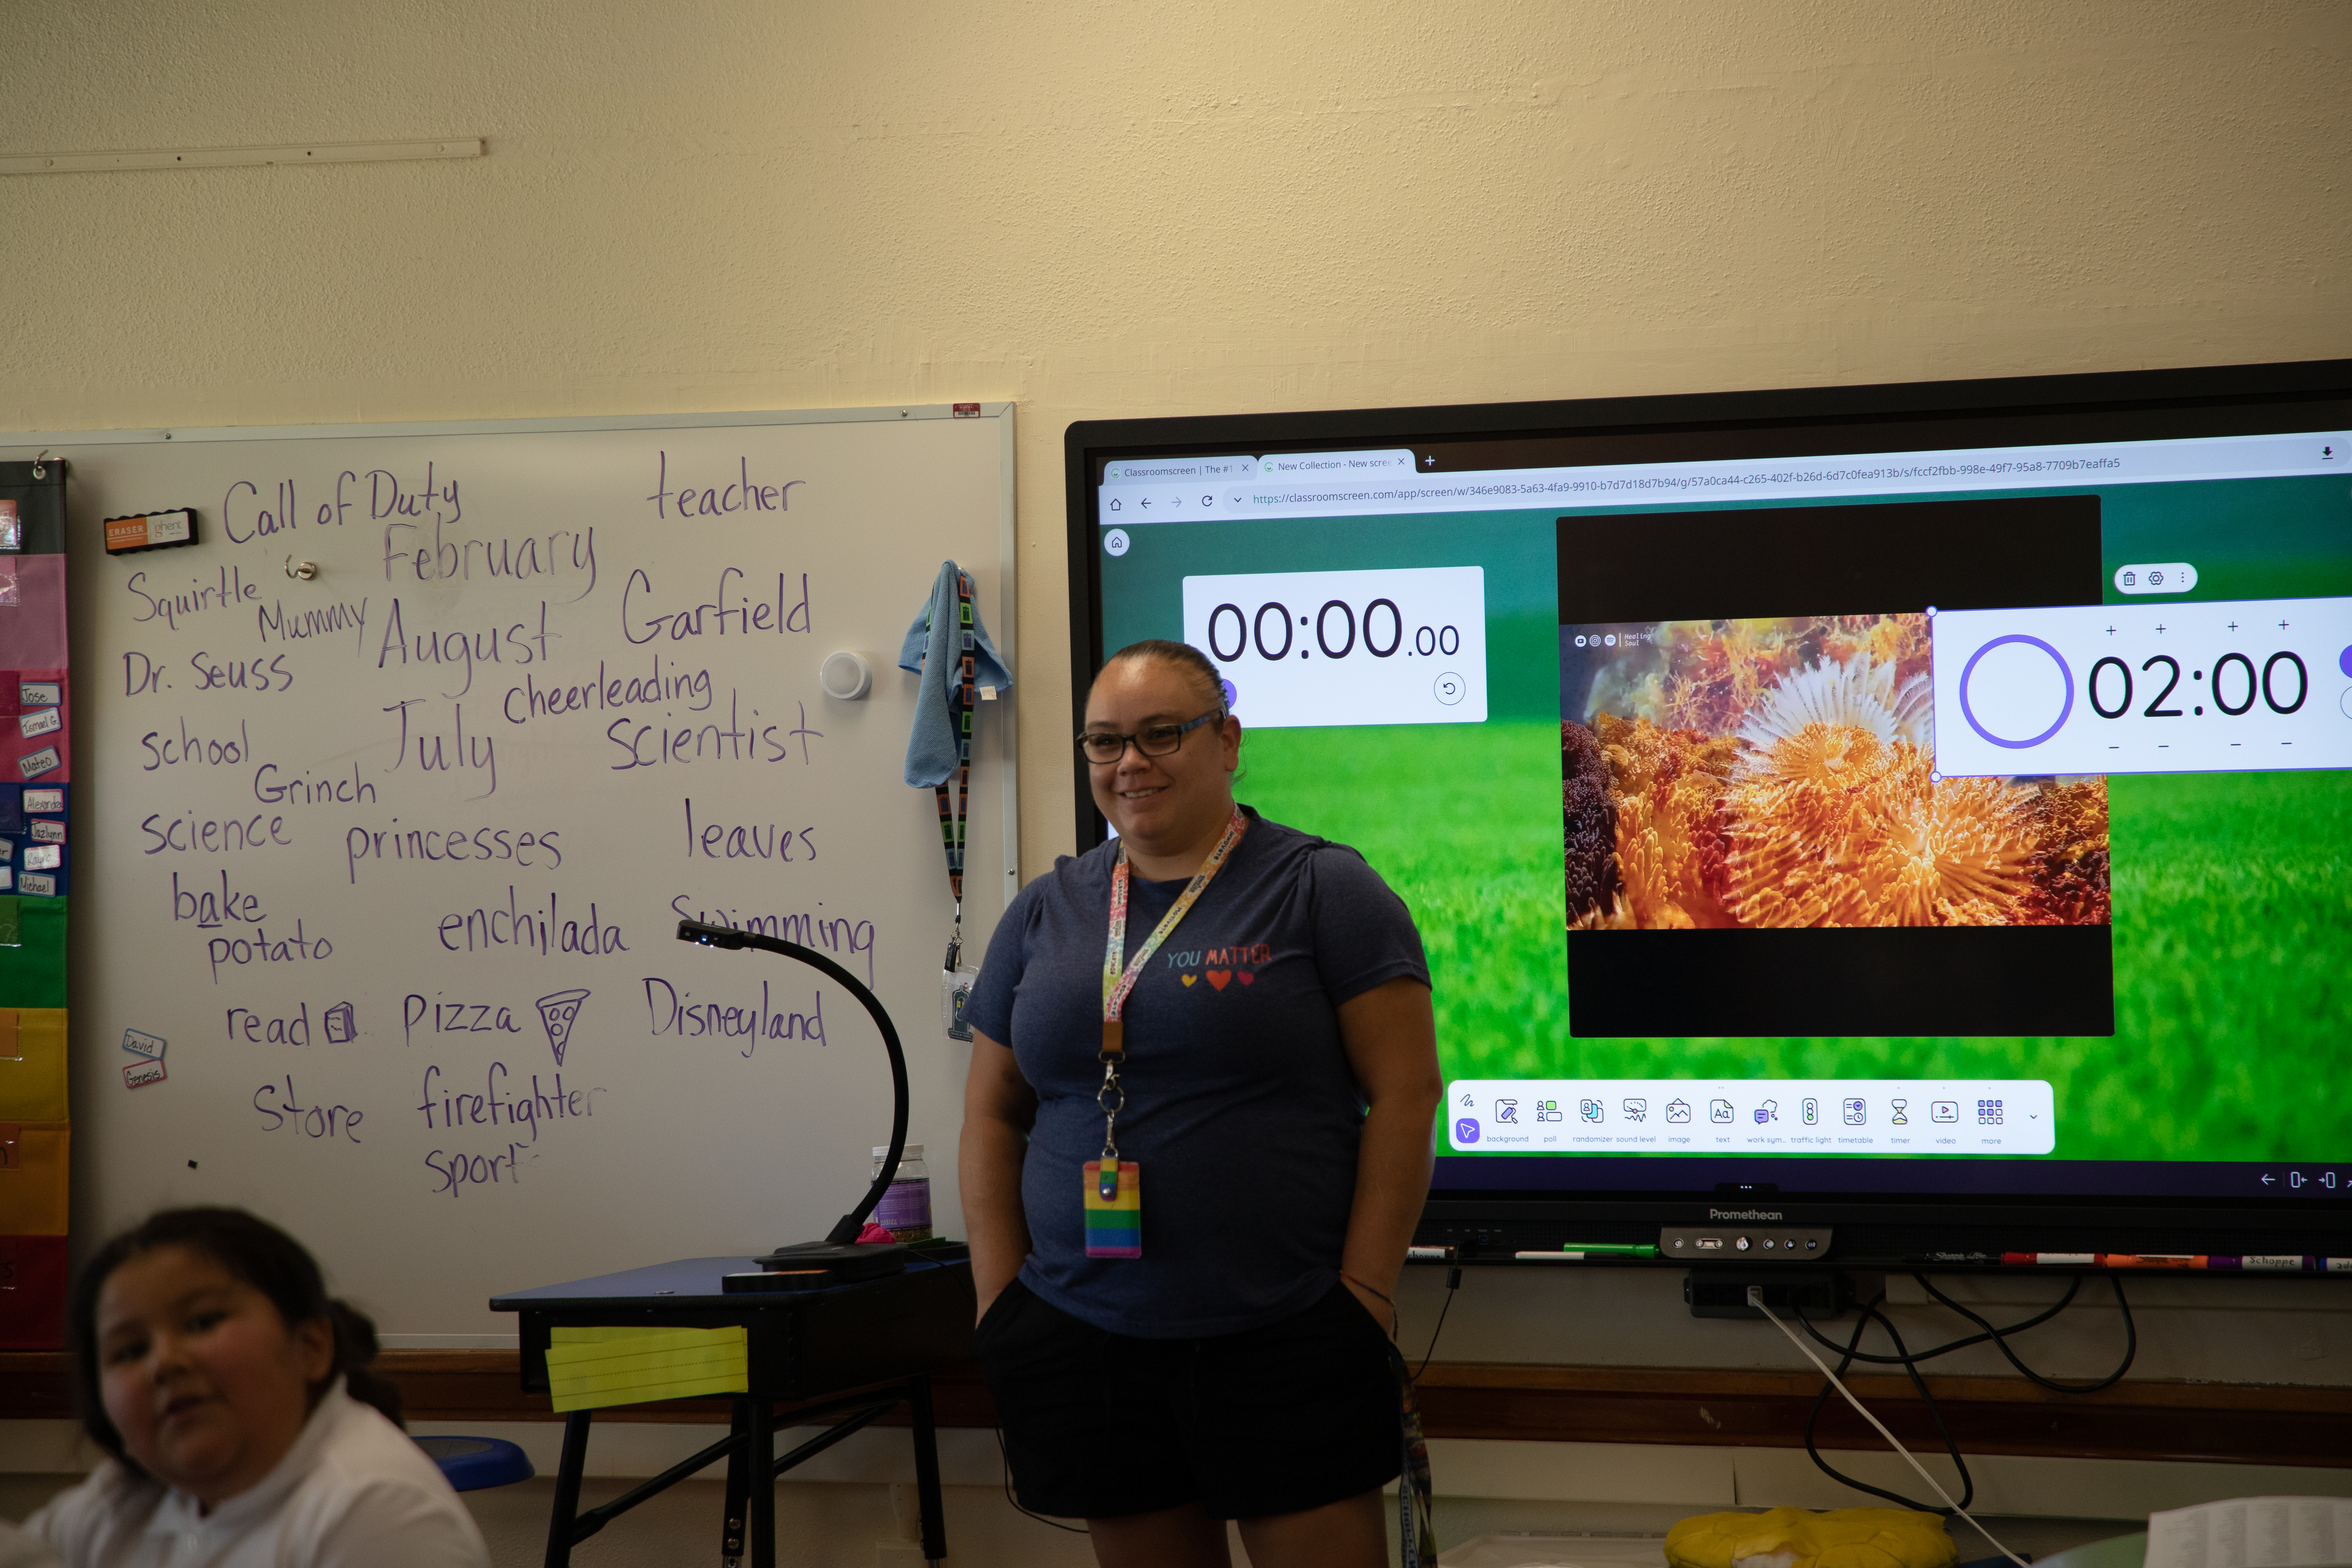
point(955, 948)
point(1114, 1046)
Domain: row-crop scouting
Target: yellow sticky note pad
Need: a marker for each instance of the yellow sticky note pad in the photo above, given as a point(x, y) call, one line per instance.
point(588, 1369)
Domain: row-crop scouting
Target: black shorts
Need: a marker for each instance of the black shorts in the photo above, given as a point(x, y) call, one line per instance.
point(1276, 1420)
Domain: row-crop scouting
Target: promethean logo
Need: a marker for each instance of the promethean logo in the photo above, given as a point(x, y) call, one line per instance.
point(1744, 1214)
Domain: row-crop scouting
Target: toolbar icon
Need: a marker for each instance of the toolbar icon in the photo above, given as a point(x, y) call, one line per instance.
point(1857, 1112)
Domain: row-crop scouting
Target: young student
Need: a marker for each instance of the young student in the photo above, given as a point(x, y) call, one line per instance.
point(245, 1427)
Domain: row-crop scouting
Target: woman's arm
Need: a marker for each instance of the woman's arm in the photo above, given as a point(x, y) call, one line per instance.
point(1391, 1039)
point(999, 1107)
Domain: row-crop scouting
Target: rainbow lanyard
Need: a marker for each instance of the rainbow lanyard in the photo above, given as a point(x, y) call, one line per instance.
point(1114, 1187)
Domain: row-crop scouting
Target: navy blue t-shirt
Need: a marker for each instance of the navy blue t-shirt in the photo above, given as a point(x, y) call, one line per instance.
point(1242, 1110)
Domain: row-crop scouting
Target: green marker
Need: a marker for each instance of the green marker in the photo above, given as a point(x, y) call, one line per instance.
point(1580, 1251)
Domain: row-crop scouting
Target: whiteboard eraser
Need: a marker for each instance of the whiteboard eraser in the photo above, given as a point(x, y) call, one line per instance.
point(151, 531)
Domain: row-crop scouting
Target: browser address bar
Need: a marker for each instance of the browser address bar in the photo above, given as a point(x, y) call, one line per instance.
point(1872, 474)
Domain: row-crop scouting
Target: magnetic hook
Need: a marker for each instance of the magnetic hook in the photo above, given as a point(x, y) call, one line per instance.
point(304, 571)
point(39, 472)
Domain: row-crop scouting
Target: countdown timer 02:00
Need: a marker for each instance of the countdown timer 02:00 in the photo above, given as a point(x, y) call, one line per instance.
point(2246, 685)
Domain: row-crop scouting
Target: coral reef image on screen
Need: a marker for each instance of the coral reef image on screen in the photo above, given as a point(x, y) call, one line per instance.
point(1782, 773)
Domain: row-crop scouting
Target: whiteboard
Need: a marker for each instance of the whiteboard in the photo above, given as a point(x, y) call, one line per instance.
point(393, 859)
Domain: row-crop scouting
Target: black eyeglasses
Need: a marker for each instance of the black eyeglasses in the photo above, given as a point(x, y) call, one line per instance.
point(1152, 741)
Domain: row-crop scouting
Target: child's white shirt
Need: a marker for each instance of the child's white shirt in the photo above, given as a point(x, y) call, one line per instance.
point(352, 1492)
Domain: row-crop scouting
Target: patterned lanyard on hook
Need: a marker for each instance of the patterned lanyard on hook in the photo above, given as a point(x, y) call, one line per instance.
point(961, 694)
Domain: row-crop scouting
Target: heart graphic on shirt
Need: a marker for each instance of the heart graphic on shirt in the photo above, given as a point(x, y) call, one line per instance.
point(1218, 977)
point(1190, 978)
point(1245, 977)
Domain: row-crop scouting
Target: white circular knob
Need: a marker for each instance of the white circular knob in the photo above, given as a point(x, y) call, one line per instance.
point(845, 677)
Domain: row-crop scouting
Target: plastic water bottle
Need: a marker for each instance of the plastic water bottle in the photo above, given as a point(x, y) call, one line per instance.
point(905, 1210)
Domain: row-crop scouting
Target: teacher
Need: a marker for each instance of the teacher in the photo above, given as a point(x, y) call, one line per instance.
point(1196, 1142)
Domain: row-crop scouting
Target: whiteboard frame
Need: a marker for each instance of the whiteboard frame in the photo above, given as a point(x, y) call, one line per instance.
point(59, 443)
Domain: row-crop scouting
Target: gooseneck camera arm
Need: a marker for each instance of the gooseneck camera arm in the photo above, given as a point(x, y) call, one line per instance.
point(847, 1229)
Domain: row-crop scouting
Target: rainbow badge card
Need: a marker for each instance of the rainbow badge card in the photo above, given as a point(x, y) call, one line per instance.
point(1114, 1193)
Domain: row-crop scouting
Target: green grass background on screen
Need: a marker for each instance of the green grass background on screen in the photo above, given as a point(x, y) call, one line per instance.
point(2232, 942)
point(2233, 891)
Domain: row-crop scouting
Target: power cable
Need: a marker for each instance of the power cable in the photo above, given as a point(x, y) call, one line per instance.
point(1453, 1283)
point(1909, 1359)
point(1862, 1320)
point(1756, 1299)
point(1057, 1524)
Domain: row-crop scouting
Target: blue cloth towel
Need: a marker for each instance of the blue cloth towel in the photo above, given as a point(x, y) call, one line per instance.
point(931, 648)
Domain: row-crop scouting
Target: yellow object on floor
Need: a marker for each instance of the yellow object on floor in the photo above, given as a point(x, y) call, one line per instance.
point(588, 1369)
point(1801, 1538)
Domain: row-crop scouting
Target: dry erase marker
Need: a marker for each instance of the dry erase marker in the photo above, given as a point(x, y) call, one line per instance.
point(2265, 1263)
point(1428, 1255)
point(2151, 1260)
point(2052, 1260)
point(1582, 1251)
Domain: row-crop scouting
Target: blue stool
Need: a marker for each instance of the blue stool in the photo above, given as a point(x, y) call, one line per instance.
point(470, 1464)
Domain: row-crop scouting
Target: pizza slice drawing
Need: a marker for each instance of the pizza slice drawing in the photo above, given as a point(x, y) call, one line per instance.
point(556, 1013)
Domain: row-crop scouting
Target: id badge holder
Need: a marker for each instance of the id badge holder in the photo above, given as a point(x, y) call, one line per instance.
point(1114, 1195)
point(957, 977)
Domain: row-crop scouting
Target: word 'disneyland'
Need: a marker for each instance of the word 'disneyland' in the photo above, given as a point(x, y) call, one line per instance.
point(673, 1012)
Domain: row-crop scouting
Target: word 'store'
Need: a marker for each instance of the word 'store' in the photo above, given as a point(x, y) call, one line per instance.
point(557, 1013)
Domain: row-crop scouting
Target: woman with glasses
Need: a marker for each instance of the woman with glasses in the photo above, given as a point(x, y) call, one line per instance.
point(1196, 1142)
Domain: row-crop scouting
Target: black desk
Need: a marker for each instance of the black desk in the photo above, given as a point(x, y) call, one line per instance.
point(850, 1353)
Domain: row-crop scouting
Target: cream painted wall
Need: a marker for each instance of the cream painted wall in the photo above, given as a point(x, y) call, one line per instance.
point(1111, 209)
point(1106, 209)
